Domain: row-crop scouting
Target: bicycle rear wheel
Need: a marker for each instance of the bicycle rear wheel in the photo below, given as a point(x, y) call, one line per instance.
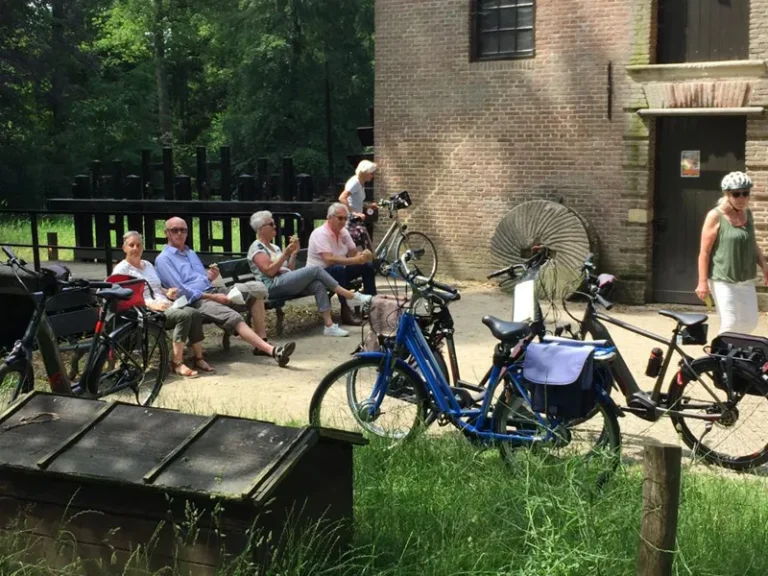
point(426, 264)
point(129, 368)
point(738, 438)
point(344, 400)
point(14, 383)
point(596, 441)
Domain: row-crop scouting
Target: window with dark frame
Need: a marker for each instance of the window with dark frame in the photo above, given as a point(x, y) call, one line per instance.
point(502, 29)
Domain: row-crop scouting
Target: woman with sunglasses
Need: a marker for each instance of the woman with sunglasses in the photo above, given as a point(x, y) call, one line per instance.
point(277, 270)
point(728, 256)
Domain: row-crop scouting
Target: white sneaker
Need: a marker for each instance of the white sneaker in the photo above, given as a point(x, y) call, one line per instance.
point(359, 298)
point(334, 330)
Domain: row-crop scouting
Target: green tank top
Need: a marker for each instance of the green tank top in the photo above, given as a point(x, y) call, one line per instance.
point(733, 255)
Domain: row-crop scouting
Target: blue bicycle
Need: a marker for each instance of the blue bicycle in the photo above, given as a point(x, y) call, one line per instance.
point(380, 394)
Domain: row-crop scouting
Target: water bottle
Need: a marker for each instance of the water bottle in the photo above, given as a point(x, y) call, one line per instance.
point(654, 363)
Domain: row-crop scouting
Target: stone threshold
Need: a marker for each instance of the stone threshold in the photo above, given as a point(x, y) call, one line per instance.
point(712, 111)
point(689, 70)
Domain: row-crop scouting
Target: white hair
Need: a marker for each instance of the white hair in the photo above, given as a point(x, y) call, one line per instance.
point(335, 207)
point(130, 234)
point(365, 167)
point(258, 219)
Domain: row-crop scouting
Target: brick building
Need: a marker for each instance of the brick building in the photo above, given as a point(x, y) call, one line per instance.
point(483, 104)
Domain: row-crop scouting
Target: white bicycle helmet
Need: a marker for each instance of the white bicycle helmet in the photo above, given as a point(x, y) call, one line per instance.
point(736, 181)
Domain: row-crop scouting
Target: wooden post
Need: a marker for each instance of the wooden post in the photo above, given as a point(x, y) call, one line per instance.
point(53, 246)
point(203, 193)
point(246, 192)
point(117, 180)
point(287, 181)
point(661, 499)
point(168, 173)
point(262, 177)
point(225, 166)
point(133, 192)
point(83, 222)
point(305, 188)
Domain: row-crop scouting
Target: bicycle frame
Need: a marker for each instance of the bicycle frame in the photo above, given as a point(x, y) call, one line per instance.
point(623, 376)
point(473, 421)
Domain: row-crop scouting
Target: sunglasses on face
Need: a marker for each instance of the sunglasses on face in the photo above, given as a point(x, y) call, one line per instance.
point(271, 224)
point(342, 218)
point(177, 230)
point(740, 193)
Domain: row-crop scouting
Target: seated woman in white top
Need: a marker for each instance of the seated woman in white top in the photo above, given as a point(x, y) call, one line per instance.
point(187, 322)
point(275, 269)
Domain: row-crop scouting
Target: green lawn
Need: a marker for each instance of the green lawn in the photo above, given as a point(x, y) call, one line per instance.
point(442, 507)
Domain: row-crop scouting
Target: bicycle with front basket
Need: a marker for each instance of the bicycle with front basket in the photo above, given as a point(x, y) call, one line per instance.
point(128, 354)
point(717, 402)
point(380, 394)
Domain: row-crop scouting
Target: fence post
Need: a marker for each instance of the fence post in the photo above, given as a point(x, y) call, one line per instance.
point(226, 173)
point(83, 222)
point(53, 246)
point(203, 193)
point(225, 167)
point(183, 191)
point(661, 499)
point(117, 179)
point(305, 188)
point(262, 176)
point(133, 192)
point(168, 173)
point(287, 181)
point(147, 193)
point(246, 192)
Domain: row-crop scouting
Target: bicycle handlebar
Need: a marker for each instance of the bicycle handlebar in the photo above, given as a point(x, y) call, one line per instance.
point(603, 302)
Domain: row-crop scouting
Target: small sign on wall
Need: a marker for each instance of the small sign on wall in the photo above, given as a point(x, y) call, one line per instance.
point(690, 163)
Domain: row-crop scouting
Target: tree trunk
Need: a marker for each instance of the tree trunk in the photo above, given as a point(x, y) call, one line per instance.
point(58, 68)
point(161, 76)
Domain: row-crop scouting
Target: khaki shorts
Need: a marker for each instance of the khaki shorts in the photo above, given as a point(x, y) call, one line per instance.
point(225, 317)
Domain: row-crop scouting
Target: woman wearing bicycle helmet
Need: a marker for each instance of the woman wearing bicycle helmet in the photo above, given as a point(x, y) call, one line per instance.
point(353, 197)
point(728, 256)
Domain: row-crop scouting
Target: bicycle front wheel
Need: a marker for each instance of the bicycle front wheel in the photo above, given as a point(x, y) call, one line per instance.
point(130, 367)
point(736, 435)
point(14, 383)
point(596, 440)
point(426, 264)
point(345, 400)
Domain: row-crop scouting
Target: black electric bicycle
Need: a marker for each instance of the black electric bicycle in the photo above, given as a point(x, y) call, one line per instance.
point(128, 354)
point(717, 403)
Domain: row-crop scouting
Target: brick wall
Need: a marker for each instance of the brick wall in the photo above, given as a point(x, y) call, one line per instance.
point(471, 140)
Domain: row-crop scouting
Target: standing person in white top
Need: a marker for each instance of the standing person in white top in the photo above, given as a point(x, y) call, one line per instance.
point(187, 322)
point(353, 197)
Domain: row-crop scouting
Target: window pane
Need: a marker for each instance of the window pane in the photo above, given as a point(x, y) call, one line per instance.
point(507, 18)
point(524, 17)
point(507, 42)
point(488, 44)
point(489, 20)
point(525, 40)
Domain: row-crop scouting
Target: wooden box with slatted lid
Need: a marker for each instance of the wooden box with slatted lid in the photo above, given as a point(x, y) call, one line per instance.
point(115, 477)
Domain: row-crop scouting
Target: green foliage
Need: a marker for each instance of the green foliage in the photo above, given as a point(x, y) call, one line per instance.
point(102, 79)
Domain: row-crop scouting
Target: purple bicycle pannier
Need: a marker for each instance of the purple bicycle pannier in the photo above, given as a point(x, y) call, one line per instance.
point(560, 379)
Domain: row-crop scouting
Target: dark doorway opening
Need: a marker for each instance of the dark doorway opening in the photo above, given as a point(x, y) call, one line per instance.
point(685, 191)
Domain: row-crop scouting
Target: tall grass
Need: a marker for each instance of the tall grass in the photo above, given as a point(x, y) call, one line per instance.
point(442, 507)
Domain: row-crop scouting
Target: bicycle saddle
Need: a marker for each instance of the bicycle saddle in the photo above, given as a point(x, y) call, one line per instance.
point(507, 332)
point(115, 293)
point(684, 319)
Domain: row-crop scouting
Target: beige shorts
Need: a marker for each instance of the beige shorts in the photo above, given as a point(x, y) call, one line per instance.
point(225, 317)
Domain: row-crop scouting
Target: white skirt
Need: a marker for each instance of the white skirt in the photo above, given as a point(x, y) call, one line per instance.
point(736, 304)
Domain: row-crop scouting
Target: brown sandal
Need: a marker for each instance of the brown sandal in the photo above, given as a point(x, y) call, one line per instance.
point(183, 370)
point(203, 366)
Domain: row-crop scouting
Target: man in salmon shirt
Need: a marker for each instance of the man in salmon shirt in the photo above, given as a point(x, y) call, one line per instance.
point(331, 247)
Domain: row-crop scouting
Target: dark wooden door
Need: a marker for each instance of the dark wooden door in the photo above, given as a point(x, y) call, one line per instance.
point(681, 203)
point(702, 30)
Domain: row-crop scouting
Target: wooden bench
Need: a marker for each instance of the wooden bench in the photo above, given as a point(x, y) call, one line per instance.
point(238, 270)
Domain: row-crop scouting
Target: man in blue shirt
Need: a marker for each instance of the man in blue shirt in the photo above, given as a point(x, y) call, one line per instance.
point(179, 267)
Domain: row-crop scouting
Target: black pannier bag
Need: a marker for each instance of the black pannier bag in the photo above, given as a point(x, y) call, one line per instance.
point(751, 353)
point(560, 379)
